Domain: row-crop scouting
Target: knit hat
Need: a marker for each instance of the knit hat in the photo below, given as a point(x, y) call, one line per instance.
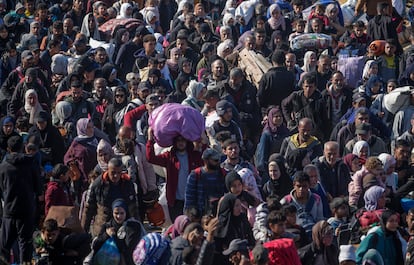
point(347, 253)
point(222, 106)
point(210, 153)
point(151, 250)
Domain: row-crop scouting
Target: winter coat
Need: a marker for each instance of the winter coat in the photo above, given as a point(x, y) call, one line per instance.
point(205, 255)
point(51, 145)
point(84, 154)
point(57, 194)
point(355, 186)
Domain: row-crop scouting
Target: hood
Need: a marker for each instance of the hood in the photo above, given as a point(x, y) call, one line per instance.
point(179, 243)
point(18, 158)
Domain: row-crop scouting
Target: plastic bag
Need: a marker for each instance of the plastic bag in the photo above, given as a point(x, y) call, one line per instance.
point(171, 120)
point(108, 254)
point(311, 41)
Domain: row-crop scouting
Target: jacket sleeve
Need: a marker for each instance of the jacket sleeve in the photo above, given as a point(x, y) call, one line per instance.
point(49, 199)
point(191, 192)
point(287, 107)
point(15, 102)
point(206, 254)
point(160, 160)
point(90, 208)
point(133, 115)
point(364, 246)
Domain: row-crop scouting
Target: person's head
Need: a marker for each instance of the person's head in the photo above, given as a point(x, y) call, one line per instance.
point(115, 168)
point(353, 162)
point(301, 184)
point(119, 211)
point(319, 9)
point(390, 47)
point(278, 57)
point(8, 125)
point(402, 150)
point(231, 149)
point(382, 8)
point(104, 153)
point(332, 11)
point(308, 84)
point(313, 172)
point(374, 198)
point(260, 37)
point(101, 55)
point(260, 255)
point(217, 68)
point(236, 250)
point(361, 116)
point(182, 41)
point(359, 28)
point(391, 85)
point(50, 231)
point(234, 183)
point(76, 90)
point(274, 170)
point(85, 127)
point(297, 6)
point(236, 78)
point(57, 28)
point(409, 219)
point(324, 63)
point(250, 42)
point(149, 43)
point(316, 25)
point(276, 221)
point(152, 102)
point(322, 234)
point(347, 255)
point(180, 143)
point(193, 232)
point(305, 128)
point(337, 81)
point(361, 149)
point(211, 159)
point(363, 131)
point(224, 110)
point(390, 221)
point(61, 172)
point(334, 64)
point(374, 165)
point(275, 11)
point(290, 61)
point(331, 152)
point(99, 85)
point(339, 207)
point(290, 210)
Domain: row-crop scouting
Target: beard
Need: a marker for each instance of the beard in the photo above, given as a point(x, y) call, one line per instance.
point(213, 166)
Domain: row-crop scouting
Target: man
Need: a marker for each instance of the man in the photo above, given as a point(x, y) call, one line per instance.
point(101, 95)
point(323, 72)
point(30, 82)
point(205, 185)
point(260, 46)
point(205, 36)
point(142, 55)
point(20, 186)
point(101, 56)
point(308, 103)
point(193, 237)
point(111, 185)
point(291, 66)
point(207, 50)
point(179, 161)
point(233, 161)
point(308, 204)
point(31, 38)
point(370, 7)
point(334, 174)
point(363, 132)
point(276, 84)
point(187, 52)
point(381, 27)
point(302, 139)
point(187, 24)
point(217, 76)
point(125, 58)
point(57, 11)
point(338, 98)
point(57, 33)
point(151, 103)
point(402, 156)
point(68, 29)
point(238, 252)
point(76, 13)
point(80, 46)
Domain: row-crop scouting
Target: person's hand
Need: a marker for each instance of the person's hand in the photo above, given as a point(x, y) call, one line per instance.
point(150, 134)
point(381, 114)
point(211, 229)
point(356, 13)
point(110, 231)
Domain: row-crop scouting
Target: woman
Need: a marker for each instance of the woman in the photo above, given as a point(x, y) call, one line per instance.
point(391, 177)
point(309, 62)
point(271, 139)
point(32, 107)
point(185, 68)
point(7, 131)
point(276, 22)
point(353, 163)
point(121, 37)
point(58, 188)
point(195, 92)
point(126, 11)
point(109, 72)
point(90, 27)
point(385, 240)
point(177, 96)
point(177, 229)
point(233, 224)
point(370, 69)
point(321, 251)
point(361, 149)
point(104, 153)
point(373, 88)
point(279, 183)
point(374, 198)
point(113, 115)
point(83, 148)
point(172, 62)
point(335, 28)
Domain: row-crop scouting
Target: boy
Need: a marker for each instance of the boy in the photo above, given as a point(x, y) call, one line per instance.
point(54, 247)
point(388, 63)
point(301, 238)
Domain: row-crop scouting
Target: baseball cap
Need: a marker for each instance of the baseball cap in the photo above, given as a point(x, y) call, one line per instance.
point(26, 54)
point(358, 97)
point(363, 128)
point(222, 106)
point(207, 47)
point(142, 86)
point(210, 153)
point(235, 245)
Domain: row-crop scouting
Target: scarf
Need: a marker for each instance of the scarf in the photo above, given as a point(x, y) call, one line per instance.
point(276, 23)
point(34, 110)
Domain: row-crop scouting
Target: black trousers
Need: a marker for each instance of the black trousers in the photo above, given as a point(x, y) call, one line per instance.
point(20, 230)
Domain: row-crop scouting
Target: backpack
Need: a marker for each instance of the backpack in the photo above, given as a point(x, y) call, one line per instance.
point(282, 251)
point(360, 223)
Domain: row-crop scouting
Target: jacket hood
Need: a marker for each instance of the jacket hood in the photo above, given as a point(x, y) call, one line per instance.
point(18, 158)
point(179, 243)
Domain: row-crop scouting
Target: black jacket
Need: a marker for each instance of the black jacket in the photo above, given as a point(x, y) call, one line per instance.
point(51, 144)
point(19, 185)
point(275, 85)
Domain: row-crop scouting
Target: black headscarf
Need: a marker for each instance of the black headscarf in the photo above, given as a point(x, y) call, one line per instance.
point(230, 177)
point(397, 243)
point(225, 214)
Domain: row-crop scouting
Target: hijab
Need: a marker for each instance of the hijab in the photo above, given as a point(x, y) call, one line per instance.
point(276, 23)
point(105, 147)
point(63, 111)
point(85, 28)
point(226, 19)
point(194, 88)
point(372, 81)
point(367, 67)
point(179, 225)
point(81, 127)
point(123, 10)
point(387, 160)
point(173, 65)
point(358, 146)
point(225, 214)
point(269, 126)
point(385, 216)
point(230, 177)
point(329, 253)
point(306, 62)
point(371, 197)
point(33, 111)
point(348, 160)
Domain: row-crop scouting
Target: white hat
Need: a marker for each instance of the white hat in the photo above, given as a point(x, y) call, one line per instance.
point(347, 253)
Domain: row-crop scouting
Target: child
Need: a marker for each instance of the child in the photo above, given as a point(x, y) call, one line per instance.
point(340, 211)
point(319, 12)
point(372, 165)
point(249, 182)
point(373, 88)
point(299, 25)
point(279, 183)
point(292, 227)
point(388, 63)
point(317, 188)
point(296, 13)
point(58, 189)
point(53, 247)
point(276, 221)
point(260, 227)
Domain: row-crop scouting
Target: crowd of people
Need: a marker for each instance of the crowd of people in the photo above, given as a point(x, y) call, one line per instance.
point(310, 165)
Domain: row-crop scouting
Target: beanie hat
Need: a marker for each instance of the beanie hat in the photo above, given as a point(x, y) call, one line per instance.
point(347, 253)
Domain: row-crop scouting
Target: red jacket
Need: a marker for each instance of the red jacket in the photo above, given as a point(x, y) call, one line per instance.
point(56, 196)
point(170, 161)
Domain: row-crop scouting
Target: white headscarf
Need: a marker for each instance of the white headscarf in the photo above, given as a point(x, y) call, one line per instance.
point(85, 28)
point(34, 110)
point(306, 61)
point(367, 67)
point(358, 146)
point(123, 10)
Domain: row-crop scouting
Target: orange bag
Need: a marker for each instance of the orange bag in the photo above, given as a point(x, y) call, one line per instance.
point(155, 215)
point(377, 47)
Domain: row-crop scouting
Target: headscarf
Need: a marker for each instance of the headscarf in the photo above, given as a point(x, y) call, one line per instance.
point(294, 160)
point(85, 28)
point(194, 88)
point(358, 146)
point(63, 111)
point(269, 126)
point(105, 147)
point(33, 111)
point(118, 37)
point(249, 181)
point(225, 214)
point(173, 65)
point(230, 177)
point(59, 64)
point(365, 72)
point(179, 225)
point(329, 8)
point(371, 197)
point(329, 253)
point(226, 19)
point(371, 83)
point(148, 17)
point(385, 216)
point(123, 10)
point(246, 9)
point(276, 23)
point(81, 127)
point(348, 160)
point(119, 106)
point(120, 203)
point(387, 160)
point(227, 44)
point(306, 61)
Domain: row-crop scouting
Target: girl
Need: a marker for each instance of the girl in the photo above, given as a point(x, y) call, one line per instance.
point(391, 177)
point(353, 163)
point(361, 149)
point(195, 92)
point(58, 188)
point(234, 185)
point(279, 183)
point(276, 22)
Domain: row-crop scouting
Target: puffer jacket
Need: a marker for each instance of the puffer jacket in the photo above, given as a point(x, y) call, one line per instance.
point(355, 186)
